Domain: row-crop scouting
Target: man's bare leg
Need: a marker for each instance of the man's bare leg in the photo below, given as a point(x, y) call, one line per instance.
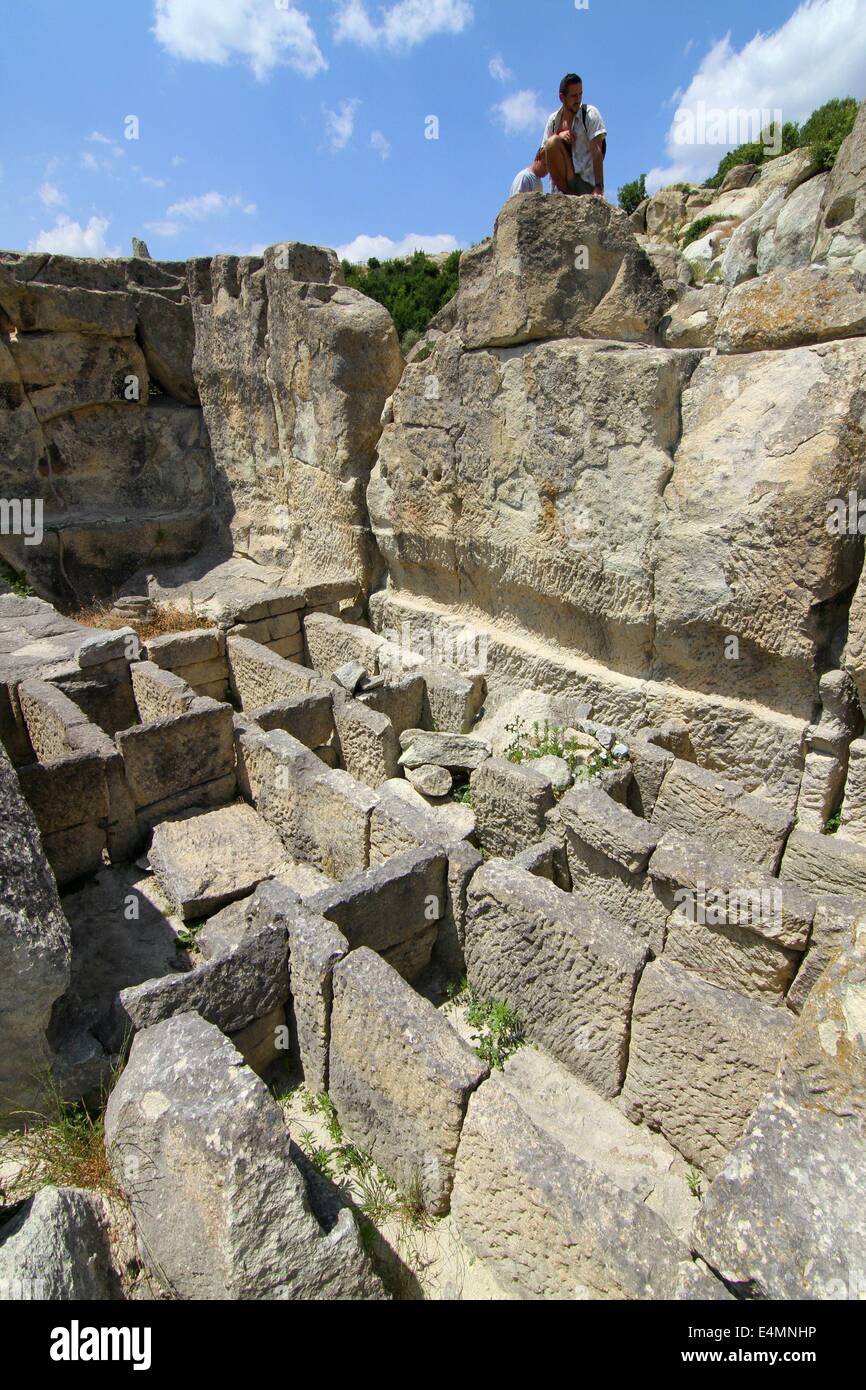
point(559, 164)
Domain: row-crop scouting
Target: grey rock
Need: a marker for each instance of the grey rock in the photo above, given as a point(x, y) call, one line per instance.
point(59, 1247)
point(430, 780)
point(454, 751)
point(350, 675)
point(568, 969)
point(205, 1160)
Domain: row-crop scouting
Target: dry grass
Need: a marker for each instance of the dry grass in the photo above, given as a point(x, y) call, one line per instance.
point(167, 618)
point(64, 1147)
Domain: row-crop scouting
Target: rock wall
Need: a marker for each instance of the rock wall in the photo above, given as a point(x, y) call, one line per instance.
point(159, 409)
point(639, 512)
point(99, 418)
point(293, 369)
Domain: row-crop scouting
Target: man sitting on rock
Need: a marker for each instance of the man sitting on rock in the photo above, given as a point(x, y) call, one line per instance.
point(529, 179)
point(574, 142)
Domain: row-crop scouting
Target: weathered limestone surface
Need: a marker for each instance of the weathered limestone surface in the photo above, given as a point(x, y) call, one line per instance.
point(568, 969)
point(825, 863)
point(699, 1061)
point(558, 272)
point(511, 801)
point(244, 981)
point(400, 1077)
point(120, 472)
point(393, 908)
point(786, 1217)
point(554, 1225)
point(204, 1157)
point(293, 370)
point(700, 803)
point(34, 953)
point(204, 861)
point(764, 447)
point(788, 308)
point(841, 235)
point(835, 918)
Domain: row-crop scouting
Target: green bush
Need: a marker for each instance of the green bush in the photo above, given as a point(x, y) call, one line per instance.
point(699, 229)
point(825, 130)
point(827, 127)
point(631, 195)
point(412, 290)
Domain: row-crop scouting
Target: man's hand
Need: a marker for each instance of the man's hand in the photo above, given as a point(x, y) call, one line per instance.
point(567, 136)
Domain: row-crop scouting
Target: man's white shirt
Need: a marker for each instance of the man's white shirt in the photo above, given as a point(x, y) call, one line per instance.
point(581, 155)
point(526, 182)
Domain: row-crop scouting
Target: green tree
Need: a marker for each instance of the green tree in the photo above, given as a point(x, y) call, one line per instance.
point(631, 195)
point(412, 290)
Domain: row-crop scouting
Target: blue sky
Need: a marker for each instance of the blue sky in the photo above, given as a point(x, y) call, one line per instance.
point(266, 120)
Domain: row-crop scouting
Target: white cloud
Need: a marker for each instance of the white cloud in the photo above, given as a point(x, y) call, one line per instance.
point(177, 160)
point(210, 205)
point(162, 228)
point(340, 124)
point(403, 25)
point(363, 247)
point(816, 54)
point(89, 161)
point(497, 69)
point(97, 138)
point(521, 112)
point(381, 144)
point(68, 238)
point(265, 34)
point(151, 182)
point(52, 196)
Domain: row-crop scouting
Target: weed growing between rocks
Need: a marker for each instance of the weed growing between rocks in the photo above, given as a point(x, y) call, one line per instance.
point(497, 1030)
point(63, 1146)
point(374, 1194)
point(550, 740)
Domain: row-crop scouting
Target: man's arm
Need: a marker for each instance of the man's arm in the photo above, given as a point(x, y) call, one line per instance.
point(596, 150)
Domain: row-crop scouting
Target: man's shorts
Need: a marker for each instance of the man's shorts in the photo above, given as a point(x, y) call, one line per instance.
point(578, 184)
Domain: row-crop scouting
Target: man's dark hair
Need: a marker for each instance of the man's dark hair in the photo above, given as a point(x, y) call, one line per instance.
point(568, 81)
point(540, 153)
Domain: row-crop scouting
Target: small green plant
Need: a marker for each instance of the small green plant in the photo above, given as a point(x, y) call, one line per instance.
point(833, 822)
point(463, 794)
point(695, 1182)
point(16, 582)
point(186, 937)
point(631, 195)
point(319, 1155)
point(549, 740)
point(62, 1146)
point(698, 229)
point(499, 1032)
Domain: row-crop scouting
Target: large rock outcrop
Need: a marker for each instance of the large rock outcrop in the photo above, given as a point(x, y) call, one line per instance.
point(293, 369)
